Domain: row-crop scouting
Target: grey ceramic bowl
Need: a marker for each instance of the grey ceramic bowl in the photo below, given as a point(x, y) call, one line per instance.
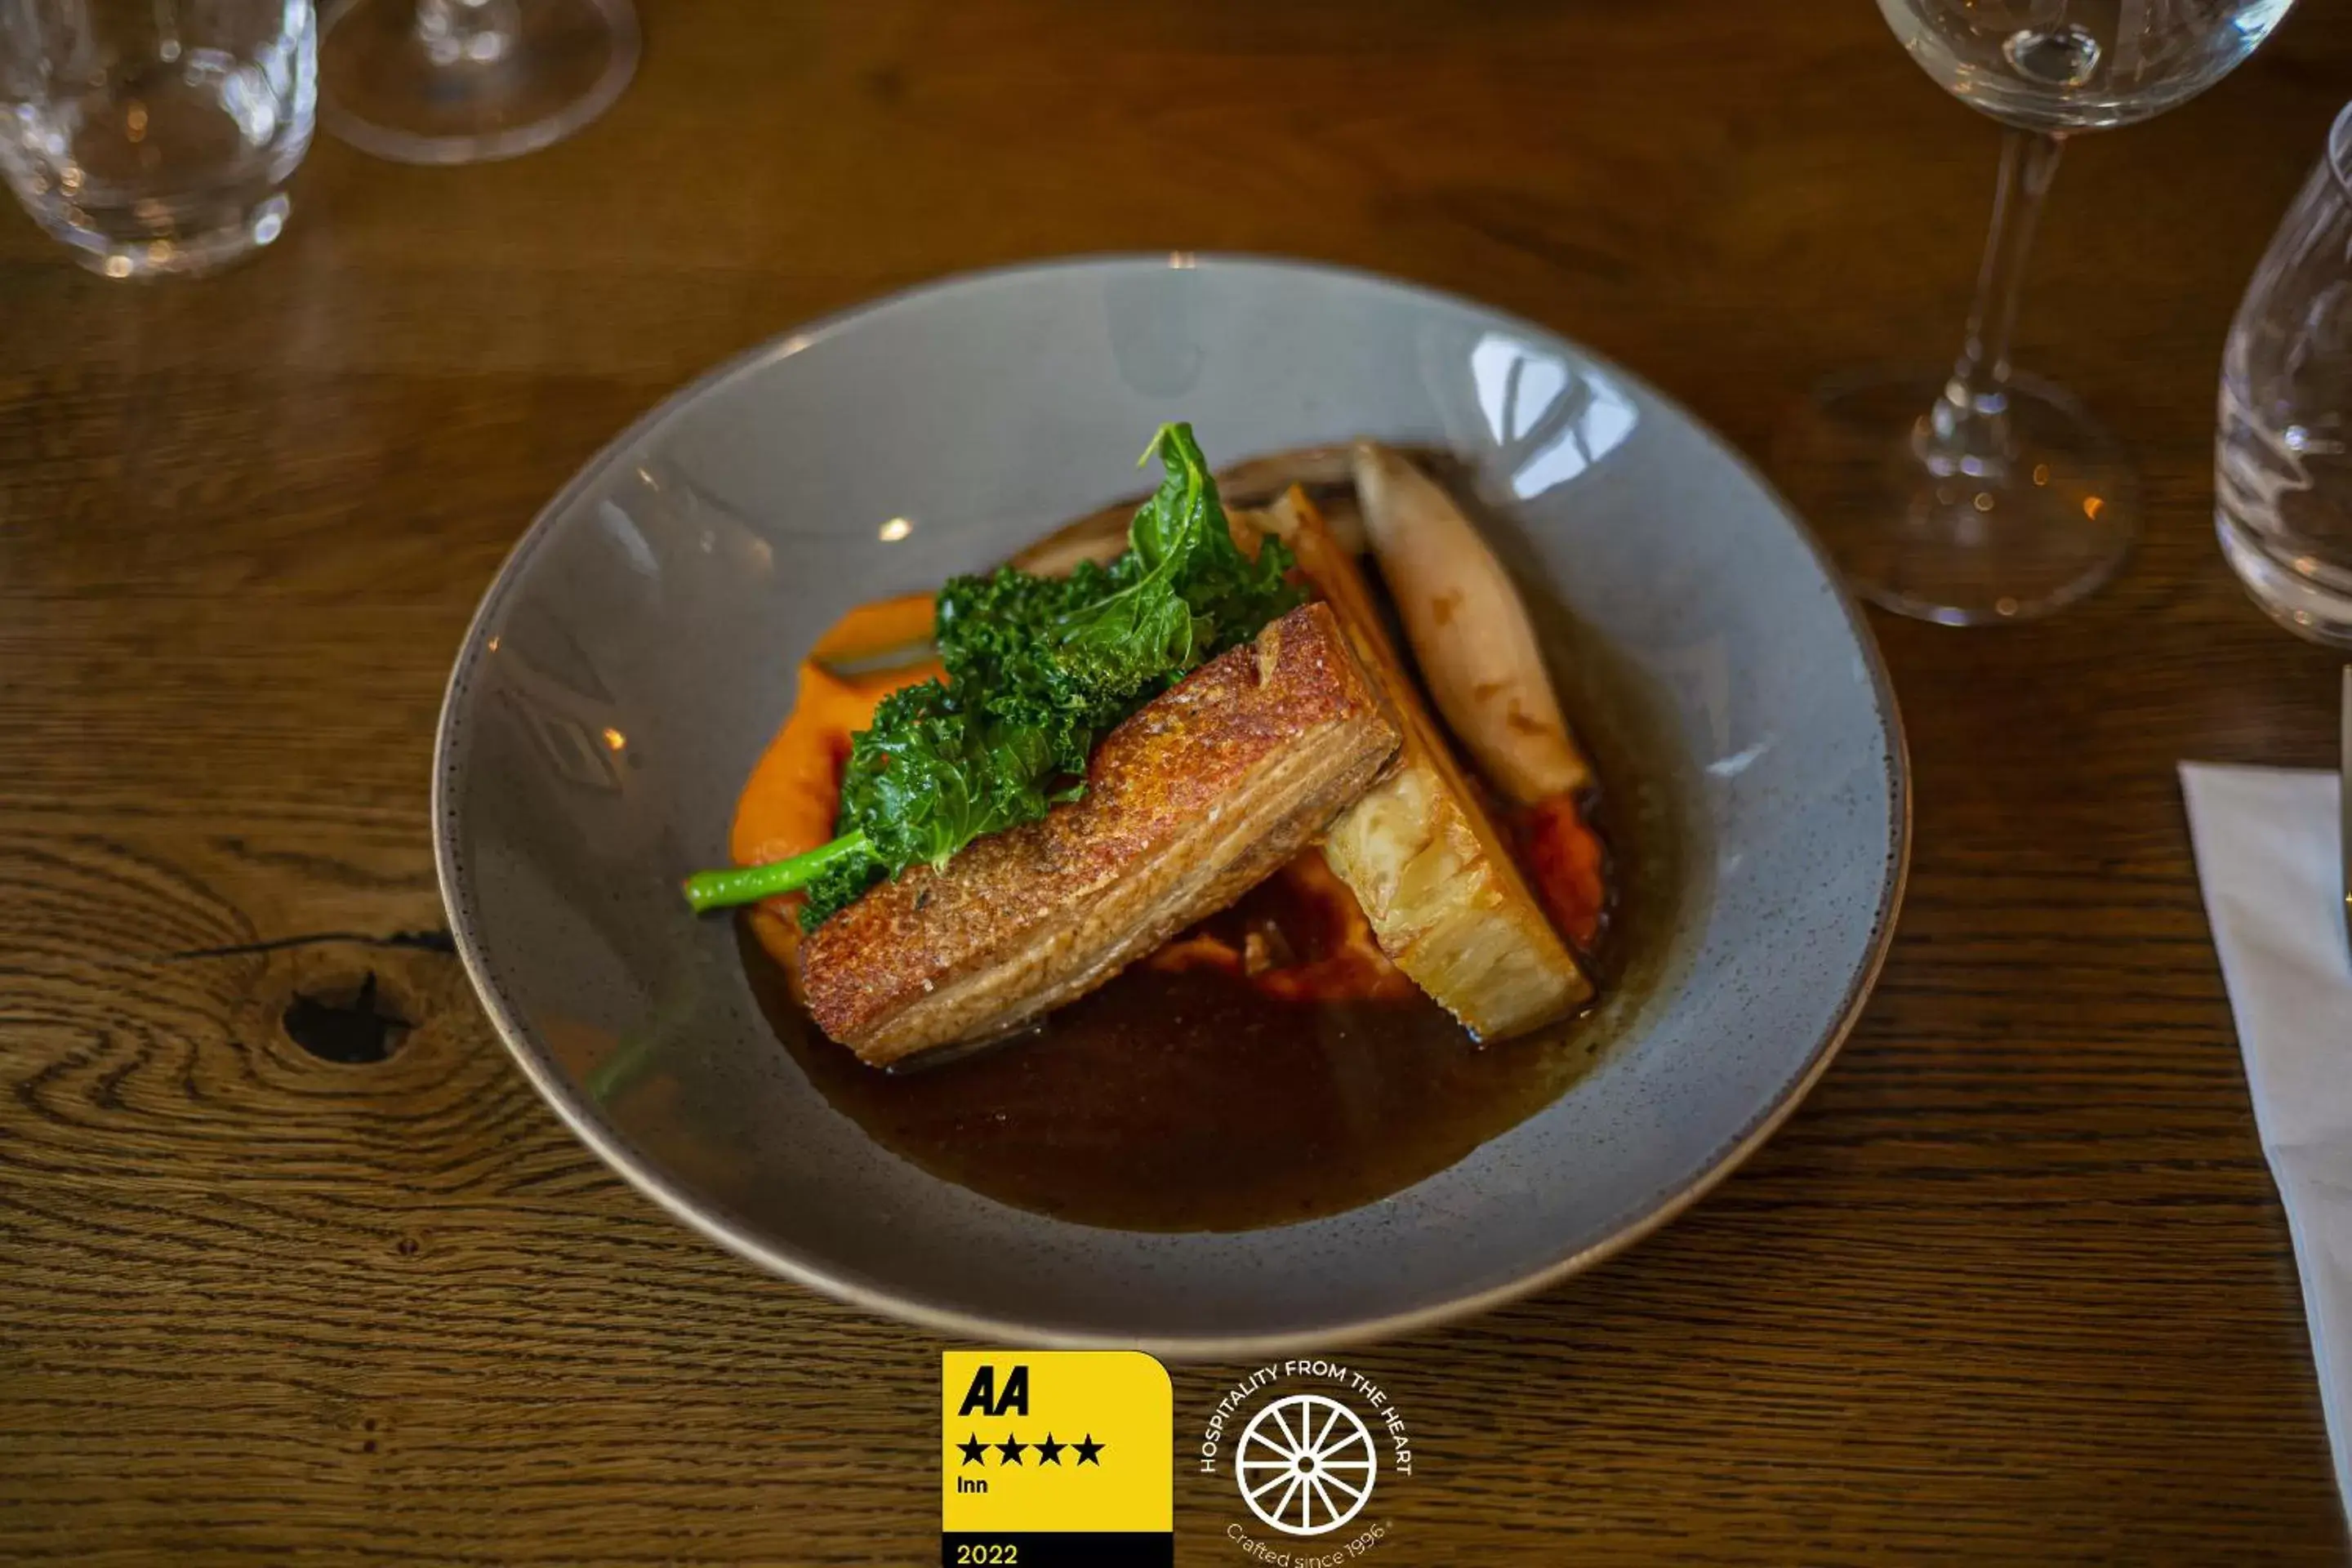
point(636, 653)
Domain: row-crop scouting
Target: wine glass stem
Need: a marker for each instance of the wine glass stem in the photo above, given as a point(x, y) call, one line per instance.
point(477, 30)
point(1967, 430)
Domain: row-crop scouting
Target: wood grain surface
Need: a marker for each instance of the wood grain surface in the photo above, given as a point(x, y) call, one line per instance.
point(2013, 1286)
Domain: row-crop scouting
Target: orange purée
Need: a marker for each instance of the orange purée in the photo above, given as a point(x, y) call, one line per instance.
point(794, 795)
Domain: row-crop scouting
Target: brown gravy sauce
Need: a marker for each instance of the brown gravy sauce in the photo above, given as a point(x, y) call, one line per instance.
point(1193, 1102)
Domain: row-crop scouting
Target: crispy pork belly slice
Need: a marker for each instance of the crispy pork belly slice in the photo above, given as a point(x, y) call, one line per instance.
point(1189, 805)
point(1446, 901)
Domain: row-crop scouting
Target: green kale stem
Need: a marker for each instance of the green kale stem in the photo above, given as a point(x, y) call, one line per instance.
point(749, 884)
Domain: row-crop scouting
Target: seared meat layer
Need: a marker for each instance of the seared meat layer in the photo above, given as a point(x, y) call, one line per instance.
point(1188, 803)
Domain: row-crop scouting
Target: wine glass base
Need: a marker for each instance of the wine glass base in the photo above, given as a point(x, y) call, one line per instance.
point(2007, 542)
point(385, 90)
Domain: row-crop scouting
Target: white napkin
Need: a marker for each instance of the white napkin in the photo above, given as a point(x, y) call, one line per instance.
point(2267, 854)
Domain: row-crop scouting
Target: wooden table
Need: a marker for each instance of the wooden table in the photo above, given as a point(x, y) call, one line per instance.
point(2013, 1286)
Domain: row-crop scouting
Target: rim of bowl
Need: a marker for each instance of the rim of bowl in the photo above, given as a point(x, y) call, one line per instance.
point(617, 1152)
point(2337, 154)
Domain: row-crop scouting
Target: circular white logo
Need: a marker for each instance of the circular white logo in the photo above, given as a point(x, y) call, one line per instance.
point(1305, 1465)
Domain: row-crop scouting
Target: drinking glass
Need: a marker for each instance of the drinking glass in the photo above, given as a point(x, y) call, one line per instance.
point(464, 81)
point(2283, 459)
point(156, 136)
point(1977, 494)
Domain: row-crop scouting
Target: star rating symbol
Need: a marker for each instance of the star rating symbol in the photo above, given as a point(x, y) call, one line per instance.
point(1049, 1452)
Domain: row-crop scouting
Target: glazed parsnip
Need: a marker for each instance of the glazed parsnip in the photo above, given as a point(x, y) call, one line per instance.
point(1425, 859)
point(1469, 631)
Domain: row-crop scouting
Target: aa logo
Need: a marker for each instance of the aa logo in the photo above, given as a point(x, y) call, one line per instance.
point(983, 1396)
point(1053, 1458)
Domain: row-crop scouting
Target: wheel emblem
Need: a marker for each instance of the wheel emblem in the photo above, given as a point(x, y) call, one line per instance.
point(1305, 1465)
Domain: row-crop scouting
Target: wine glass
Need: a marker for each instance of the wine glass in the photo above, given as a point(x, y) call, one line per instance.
point(155, 139)
point(2282, 452)
point(1976, 494)
point(464, 81)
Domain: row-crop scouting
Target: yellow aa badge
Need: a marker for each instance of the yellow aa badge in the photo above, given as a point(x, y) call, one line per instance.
point(1056, 1459)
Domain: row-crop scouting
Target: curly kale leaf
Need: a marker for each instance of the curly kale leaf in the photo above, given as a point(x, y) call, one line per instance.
point(1038, 669)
